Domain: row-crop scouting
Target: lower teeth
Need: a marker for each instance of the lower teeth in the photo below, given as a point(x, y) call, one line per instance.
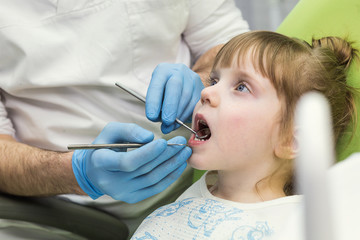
point(197, 139)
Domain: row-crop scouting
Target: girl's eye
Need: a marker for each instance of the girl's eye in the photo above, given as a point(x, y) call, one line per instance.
point(212, 81)
point(242, 88)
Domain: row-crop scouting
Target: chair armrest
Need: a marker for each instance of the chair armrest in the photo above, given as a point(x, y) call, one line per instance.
point(51, 211)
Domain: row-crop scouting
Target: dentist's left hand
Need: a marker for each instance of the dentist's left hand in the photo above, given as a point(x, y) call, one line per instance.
point(173, 93)
point(129, 176)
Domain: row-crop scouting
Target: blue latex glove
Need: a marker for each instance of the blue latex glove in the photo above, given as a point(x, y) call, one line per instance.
point(173, 93)
point(129, 176)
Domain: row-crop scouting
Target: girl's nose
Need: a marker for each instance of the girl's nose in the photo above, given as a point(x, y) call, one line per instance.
point(210, 95)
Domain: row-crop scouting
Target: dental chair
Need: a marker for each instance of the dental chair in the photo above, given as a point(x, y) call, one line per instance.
point(52, 218)
point(331, 206)
point(322, 18)
point(331, 191)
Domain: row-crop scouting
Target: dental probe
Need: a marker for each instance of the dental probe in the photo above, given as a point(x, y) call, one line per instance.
point(141, 98)
point(114, 145)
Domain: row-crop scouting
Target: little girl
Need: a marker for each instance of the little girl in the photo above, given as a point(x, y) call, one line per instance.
point(247, 110)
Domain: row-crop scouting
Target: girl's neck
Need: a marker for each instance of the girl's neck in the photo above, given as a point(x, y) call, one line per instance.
point(247, 188)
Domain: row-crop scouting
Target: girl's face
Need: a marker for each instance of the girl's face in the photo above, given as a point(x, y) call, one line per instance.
point(242, 110)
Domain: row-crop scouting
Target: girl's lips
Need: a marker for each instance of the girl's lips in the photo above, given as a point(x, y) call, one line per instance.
point(193, 143)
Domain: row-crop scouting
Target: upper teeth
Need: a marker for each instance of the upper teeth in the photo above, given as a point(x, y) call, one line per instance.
point(202, 122)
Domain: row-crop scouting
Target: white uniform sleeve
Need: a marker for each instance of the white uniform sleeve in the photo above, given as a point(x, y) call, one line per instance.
point(6, 126)
point(213, 22)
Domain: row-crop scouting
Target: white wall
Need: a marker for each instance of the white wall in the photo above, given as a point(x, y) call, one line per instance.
point(265, 14)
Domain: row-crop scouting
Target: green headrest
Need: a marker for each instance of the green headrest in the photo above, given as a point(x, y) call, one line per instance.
point(320, 18)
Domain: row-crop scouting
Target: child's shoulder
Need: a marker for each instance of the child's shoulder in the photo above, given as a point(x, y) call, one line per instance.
point(200, 187)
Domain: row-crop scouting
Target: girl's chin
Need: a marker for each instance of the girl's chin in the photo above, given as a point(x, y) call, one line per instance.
point(198, 161)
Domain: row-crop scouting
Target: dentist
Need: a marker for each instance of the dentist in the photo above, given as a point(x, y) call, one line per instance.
point(59, 61)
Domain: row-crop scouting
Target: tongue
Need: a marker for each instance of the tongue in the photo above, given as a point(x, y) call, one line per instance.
point(204, 133)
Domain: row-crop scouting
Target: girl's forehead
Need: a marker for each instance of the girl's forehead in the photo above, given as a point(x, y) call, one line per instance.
point(240, 58)
point(240, 63)
point(243, 69)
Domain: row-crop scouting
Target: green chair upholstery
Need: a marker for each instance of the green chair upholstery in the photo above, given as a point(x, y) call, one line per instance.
point(320, 18)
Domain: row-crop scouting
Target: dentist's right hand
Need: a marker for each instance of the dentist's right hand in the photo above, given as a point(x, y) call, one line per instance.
point(129, 176)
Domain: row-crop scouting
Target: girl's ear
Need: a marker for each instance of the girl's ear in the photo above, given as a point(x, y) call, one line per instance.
point(287, 149)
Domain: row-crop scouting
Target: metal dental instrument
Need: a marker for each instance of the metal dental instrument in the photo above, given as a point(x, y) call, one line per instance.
point(114, 145)
point(141, 98)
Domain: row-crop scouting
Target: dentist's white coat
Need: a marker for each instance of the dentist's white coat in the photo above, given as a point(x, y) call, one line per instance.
point(59, 60)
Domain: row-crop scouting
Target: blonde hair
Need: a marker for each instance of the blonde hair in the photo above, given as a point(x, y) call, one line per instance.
point(295, 67)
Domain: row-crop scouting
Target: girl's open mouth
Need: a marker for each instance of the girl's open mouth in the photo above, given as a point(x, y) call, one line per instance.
point(203, 132)
point(202, 129)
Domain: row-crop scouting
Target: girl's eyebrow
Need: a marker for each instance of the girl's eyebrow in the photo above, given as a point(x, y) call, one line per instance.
point(214, 73)
point(244, 74)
